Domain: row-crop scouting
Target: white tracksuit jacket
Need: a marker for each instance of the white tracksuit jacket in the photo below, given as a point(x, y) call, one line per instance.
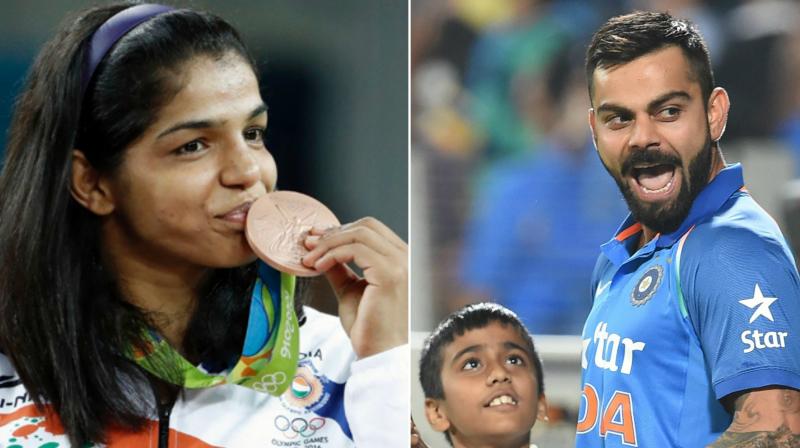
point(334, 401)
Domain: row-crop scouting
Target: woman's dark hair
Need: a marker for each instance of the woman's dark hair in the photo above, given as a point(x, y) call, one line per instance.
point(625, 38)
point(65, 325)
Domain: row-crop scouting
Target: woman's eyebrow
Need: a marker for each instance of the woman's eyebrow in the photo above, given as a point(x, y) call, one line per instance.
point(204, 124)
point(258, 111)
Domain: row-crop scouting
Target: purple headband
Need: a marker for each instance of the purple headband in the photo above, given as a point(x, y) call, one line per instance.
point(112, 30)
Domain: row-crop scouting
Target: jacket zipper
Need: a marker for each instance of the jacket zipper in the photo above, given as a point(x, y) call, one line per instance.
point(164, 412)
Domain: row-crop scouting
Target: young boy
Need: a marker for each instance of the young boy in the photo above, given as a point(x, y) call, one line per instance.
point(482, 378)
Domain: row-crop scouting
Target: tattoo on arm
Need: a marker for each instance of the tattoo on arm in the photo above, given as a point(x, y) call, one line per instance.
point(780, 438)
point(764, 418)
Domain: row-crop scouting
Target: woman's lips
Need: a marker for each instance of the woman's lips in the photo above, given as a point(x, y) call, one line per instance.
point(238, 214)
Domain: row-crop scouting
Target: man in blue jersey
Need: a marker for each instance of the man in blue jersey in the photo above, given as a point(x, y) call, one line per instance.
point(694, 334)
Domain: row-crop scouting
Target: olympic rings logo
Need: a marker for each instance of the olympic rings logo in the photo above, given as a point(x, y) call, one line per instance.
point(270, 382)
point(298, 426)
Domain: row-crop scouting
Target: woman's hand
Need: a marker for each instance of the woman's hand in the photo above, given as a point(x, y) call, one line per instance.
point(373, 309)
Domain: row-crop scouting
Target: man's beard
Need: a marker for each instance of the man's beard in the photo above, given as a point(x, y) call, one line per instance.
point(665, 217)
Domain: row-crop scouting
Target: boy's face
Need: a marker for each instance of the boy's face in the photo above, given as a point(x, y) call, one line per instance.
point(490, 388)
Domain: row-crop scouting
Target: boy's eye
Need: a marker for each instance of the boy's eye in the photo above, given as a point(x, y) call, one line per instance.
point(471, 364)
point(516, 360)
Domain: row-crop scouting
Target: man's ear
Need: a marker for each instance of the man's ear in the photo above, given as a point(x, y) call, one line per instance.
point(88, 187)
point(436, 415)
point(541, 411)
point(718, 106)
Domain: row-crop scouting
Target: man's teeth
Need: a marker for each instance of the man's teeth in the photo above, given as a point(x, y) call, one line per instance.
point(502, 399)
point(660, 190)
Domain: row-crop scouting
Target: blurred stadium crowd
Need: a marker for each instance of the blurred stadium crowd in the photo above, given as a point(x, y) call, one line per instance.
point(509, 200)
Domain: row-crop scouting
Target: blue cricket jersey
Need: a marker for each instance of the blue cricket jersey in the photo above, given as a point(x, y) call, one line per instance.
point(710, 309)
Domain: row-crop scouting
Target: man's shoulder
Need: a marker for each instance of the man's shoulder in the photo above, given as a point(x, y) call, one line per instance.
point(741, 225)
point(738, 246)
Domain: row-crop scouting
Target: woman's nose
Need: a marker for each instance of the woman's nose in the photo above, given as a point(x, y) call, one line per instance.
point(240, 168)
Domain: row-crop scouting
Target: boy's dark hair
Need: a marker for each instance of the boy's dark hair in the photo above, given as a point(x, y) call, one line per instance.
point(625, 38)
point(471, 317)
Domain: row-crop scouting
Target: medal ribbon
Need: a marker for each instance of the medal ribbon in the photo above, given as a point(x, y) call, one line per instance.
point(271, 347)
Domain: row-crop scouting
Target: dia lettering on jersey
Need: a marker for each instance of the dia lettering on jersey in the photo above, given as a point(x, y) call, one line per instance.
point(614, 417)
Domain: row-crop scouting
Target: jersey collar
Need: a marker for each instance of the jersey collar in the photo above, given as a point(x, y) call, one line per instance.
point(714, 195)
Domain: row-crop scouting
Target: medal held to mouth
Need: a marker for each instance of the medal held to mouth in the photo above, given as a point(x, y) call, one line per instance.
point(277, 225)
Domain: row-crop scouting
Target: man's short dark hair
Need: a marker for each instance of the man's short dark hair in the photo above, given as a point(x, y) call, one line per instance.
point(625, 38)
point(471, 317)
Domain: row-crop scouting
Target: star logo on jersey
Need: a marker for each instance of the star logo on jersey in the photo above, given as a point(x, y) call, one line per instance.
point(760, 303)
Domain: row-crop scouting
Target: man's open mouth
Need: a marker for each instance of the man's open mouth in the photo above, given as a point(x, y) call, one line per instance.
point(654, 179)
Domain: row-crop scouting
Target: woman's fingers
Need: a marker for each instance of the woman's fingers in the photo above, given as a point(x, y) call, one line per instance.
point(360, 243)
point(370, 223)
point(373, 309)
point(347, 286)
